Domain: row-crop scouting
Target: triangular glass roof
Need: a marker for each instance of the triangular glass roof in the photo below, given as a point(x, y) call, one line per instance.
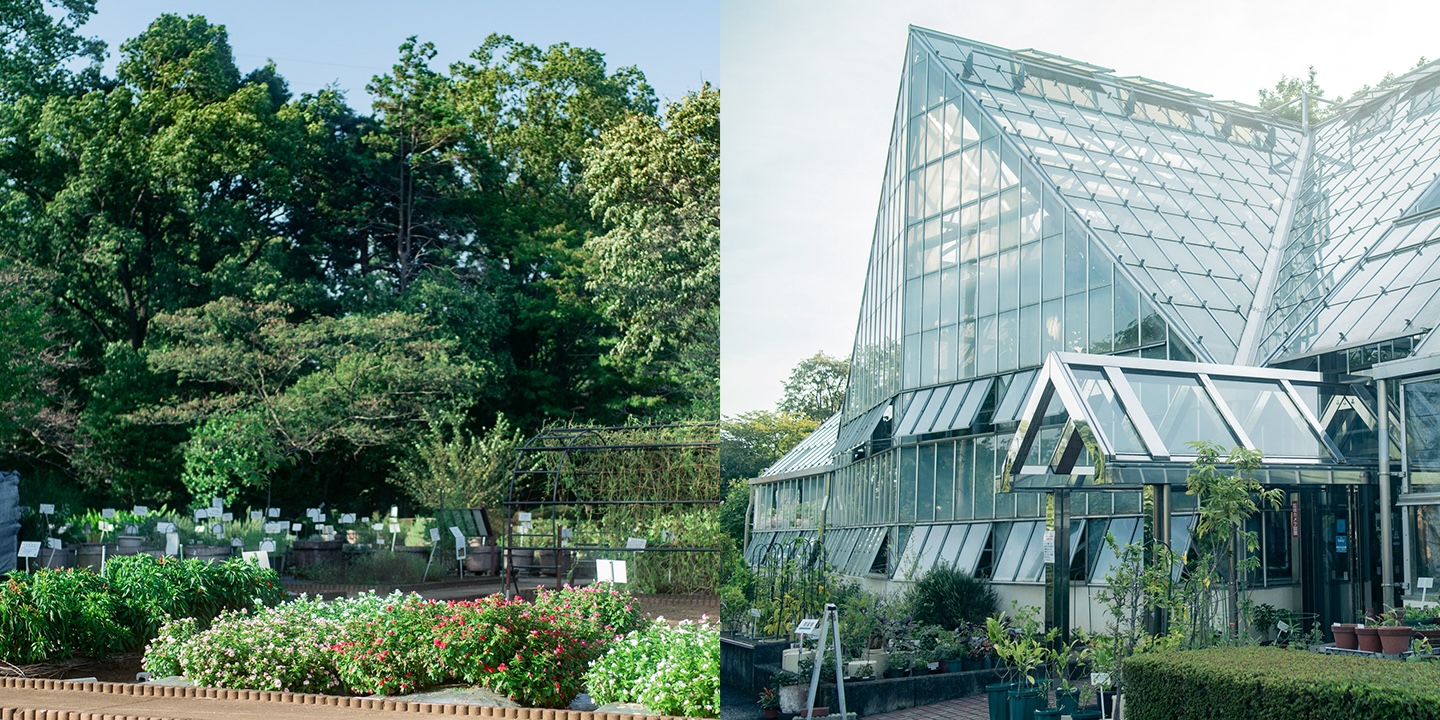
point(1185, 194)
point(816, 451)
point(1130, 413)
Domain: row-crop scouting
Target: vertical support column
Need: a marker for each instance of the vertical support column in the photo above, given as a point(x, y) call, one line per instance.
point(1160, 529)
point(1387, 540)
point(1060, 588)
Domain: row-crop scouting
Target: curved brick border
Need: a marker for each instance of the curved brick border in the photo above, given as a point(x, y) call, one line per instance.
point(362, 703)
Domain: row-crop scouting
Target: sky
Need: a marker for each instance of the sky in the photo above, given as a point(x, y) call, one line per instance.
point(811, 95)
point(316, 43)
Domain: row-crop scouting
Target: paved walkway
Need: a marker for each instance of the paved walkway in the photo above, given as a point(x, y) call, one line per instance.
point(974, 707)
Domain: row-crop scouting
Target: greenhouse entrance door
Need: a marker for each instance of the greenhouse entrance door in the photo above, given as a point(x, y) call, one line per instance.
point(1335, 542)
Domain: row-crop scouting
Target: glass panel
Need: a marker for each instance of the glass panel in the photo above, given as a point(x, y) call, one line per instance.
point(964, 480)
point(907, 484)
point(925, 484)
point(1179, 410)
point(974, 545)
point(985, 476)
point(1124, 530)
point(1032, 564)
point(945, 482)
point(1273, 423)
point(1426, 548)
point(1014, 551)
point(953, 542)
point(910, 558)
point(1099, 396)
point(932, 408)
point(1422, 434)
point(913, 411)
point(944, 420)
point(933, 544)
point(1010, 406)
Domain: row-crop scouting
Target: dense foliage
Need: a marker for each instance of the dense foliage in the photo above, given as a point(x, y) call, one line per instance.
point(213, 286)
point(1276, 684)
point(950, 598)
point(536, 653)
point(56, 614)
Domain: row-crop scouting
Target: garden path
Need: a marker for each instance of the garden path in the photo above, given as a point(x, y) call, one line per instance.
point(974, 707)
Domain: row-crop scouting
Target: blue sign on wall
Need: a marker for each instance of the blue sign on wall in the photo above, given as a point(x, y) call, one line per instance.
point(1340, 544)
point(1340, 525)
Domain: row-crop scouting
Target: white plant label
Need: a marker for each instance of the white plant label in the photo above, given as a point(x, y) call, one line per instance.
point(217, 503)
point(55, 544)
point(274, 512)
point(267, 546)
point(172, 544)
point(108, 513)
point(394, 527)
point(434, 535)
point(106, 527)
point(237, 542)
point(47, 509)
point(567, 533)
point(634, 543)
point(459, 536)
point(807, 626)
point(227, 517)
point(141, 511)
point(524, 517)
point(377, 527)
point(320, 518)
point(256, 514)
point(29, 549)
point(214, 512)
point(604, 571)
point(394, 511)
point(296, 527)
point(347, 519)
point(218, 529)
point(312, 512)
point(165, 527)
point(1425, 583)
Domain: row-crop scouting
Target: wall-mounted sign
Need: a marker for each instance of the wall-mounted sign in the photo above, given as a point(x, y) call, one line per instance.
point(1295, 518)
point(1341, 544)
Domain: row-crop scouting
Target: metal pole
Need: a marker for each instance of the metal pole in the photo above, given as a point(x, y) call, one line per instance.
point(1387, 558)
point(1162, 539)
point(1060, 594)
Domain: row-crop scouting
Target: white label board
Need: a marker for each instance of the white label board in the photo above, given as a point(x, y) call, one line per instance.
point(377, 527)
point(267, 546)
point(217, 503)
point(524, 517)
point(1425, 583)
point(256, 515)
point(1049, 547)
point(47, 509)
point(394, 511)
point(394, 527)
point(29, 549)
point(107, 526)
point(108, 513)
point(273, 512)
point(807, 626)
point(434, 535)
point(55, 544)
point(296, 527)
point(634, 543)
point(347, 519)
point(459, 536)
point(172, 544)
point(227, 517)
point(141, 511)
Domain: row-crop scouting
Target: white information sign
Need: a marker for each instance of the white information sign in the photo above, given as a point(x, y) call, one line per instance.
point(172, 544)
point(611, 571)
point(634, 543)
point(106, 527)
point(29, 549)
point(165, 527)
point(377, 527)
point(227, 517)
point(394, 511)
point(394, 527)
point(296, 527)
point(434, 535)
point(47, 509)
point(459, 536)
point(256, 515)
point(274, 512)
point(141, 511)
point(1049, 547)
point(217, 503)
point(524, 517)
point(807, 626)
point(267, 546)
point(108, 513)
point(55, 544)
point(347, 519)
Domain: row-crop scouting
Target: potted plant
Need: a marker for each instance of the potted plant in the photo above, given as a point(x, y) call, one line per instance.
point(1262, 620)
point(791, 692)
point(1023, 651)
point(770, 702)
point(1394, 635)
point(950, 650)
point(1062, 656)
point(1344, 634)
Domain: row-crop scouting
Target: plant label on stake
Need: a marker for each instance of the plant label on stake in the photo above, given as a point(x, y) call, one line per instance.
point(524, 517)
point(141, 511)
point(807, 626)
point(1424, 583)
point(214, 513)
point(108, 513)
point(273, 512)
point(434, 535)
point(227, 517)
point(256, 515)
point(267, 545)
point(604, 571)
point(218, 529)
point(621, 576)
point(347, 519)
point(217, 503)
point(1049, 547)
point(47, 509)
point(634, 543)
point(296, 527)
point(172, 544)
point(29, 549)
point(394, 511)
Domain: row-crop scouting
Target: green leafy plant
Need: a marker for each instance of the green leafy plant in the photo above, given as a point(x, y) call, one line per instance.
point(671, 670)
point(949, 598)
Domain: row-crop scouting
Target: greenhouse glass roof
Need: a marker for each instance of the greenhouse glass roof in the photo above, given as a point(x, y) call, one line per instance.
point(1093, 420)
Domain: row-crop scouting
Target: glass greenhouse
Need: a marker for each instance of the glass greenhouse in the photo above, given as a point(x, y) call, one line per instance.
point(1074, 276)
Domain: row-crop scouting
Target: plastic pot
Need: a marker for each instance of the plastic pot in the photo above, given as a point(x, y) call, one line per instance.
point(999, 701)
point(1024, 701)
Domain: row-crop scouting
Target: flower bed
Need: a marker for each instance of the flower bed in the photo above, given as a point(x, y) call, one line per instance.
point(535, 653)
point(671, 671)
point(56, 614)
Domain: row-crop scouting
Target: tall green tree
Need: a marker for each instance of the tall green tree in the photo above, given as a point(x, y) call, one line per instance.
point(40, 42)
point(816, 387)
point(753, 441)
point(656, 273)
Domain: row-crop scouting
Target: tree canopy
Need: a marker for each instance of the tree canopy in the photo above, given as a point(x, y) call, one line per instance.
point(215, 286)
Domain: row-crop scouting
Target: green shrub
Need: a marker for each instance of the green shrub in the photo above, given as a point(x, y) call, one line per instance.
point(1276, 684)
point(950, 598)
point(58, 614)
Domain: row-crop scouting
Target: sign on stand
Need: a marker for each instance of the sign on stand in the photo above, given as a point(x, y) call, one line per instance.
point(611, 571)
point(807, 626)
point(1049, 547)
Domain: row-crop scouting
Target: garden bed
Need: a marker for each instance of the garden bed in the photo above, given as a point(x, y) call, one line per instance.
point(871, 697)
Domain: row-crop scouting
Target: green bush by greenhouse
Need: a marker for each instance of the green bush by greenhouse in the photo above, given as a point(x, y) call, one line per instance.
point(1277, 684)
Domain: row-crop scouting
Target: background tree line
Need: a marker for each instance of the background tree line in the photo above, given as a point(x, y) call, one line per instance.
point(209, 285)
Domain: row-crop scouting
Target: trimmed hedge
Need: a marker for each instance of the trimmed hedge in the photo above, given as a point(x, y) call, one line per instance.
point(1277, 684)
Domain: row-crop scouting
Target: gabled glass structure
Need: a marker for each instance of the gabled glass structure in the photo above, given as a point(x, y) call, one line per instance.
point(1074, 275)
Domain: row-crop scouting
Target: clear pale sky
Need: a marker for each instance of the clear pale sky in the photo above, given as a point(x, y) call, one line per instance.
point(811, 93)
point(346, 42)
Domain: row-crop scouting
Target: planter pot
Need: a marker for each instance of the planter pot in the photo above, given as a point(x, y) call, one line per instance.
point(792, 698)
point(1394, 639)
point(56, 559)
point(1085, 715)
point(949, 666)
point(1068, 701)
point(1049, 714)
point(138, 550)
point(969, 664)
point(522, 560)
point(998, 701)
point(1368, 638)
point(1344, 634)
point(1107, 700)
point(316, 552)
point(92, 555)
point(1024, 701)
point(547, 564)
point(855, 668)
point(791, 658)
point(214, 554)
point(892, 673)
point(771, 713)
point(1432, 635)
point(482, 559)
point(880, 658)
point(129, 541)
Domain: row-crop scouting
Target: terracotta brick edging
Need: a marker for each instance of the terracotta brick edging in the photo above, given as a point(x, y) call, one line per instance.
point(361, 703)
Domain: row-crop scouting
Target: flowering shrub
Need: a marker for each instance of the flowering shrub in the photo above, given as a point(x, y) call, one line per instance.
point(597, 607)
point(672, 671)
point(535, 654)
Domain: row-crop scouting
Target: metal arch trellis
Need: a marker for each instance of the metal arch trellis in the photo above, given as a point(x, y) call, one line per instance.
point(555, 469)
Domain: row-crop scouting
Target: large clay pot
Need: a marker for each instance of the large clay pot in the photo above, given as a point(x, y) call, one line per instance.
point(93, 555)
point(1394, 639)
point(1368, 638)
point(481, 559)
point(315, 552)
point(214, 554)
point(1344, 635)
point(55, 559)
point(545, 561)
point(522, 560)
point(127, 542)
